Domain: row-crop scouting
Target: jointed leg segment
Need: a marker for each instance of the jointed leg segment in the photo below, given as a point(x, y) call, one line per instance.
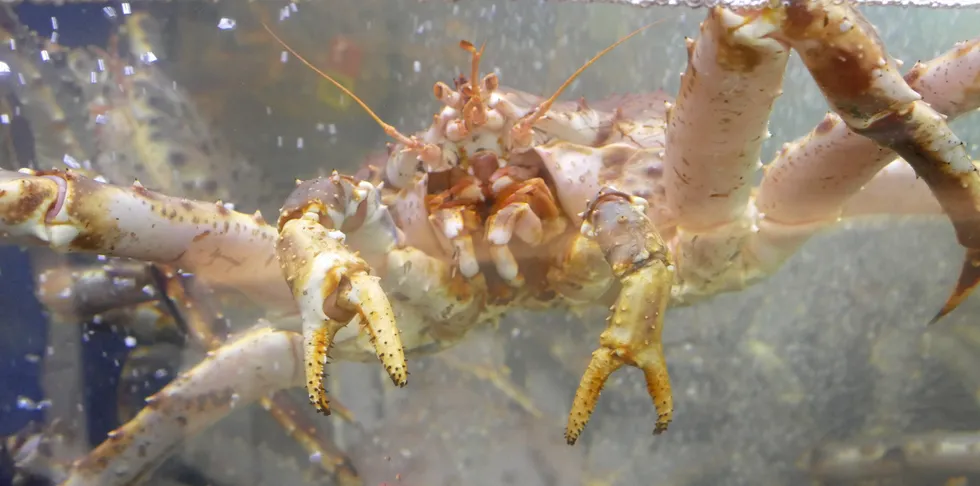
point(642, 264)
point(331, 284)
point(247, 368)
point(863, 85)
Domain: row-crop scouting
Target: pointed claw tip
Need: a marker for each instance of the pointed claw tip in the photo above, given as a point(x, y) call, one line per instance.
point(571, 438)
point(322, 408)
point(968, 280)
point(400, 381)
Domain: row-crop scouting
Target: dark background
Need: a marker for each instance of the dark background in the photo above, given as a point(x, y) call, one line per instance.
point(22, 323)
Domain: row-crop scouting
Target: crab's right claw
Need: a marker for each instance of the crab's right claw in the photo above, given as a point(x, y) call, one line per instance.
point(332, 285)
point(641, 261)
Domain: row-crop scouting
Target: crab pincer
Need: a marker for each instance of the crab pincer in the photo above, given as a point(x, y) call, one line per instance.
point(332, 284)
point(641, 262)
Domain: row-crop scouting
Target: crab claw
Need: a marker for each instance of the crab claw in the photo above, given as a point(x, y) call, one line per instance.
point(641, 262)
point(332, 285)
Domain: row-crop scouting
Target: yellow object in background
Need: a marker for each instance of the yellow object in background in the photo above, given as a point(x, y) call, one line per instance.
point(329, 94)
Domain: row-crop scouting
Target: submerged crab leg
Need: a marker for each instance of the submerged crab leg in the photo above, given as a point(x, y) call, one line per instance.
point(946, 453)
point(331, 284)
point(259, 362)
point(70, 212)
point(641, 262)
point(715, 133)
point(894, 190)
point(809, 182)
point(279, 405)
point(863, 86)
point(94, 289)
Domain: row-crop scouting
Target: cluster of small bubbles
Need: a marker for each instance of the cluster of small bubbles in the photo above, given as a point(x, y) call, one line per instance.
point(25, 403)
point(488, 13)
point(285, 12)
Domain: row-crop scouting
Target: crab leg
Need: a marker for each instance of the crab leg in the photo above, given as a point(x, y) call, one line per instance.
point(947, 453)
point(894, 190)
point(94, 289)
point(715, 133)
point(641, 262)
point(331, 284)
point(257, 363)
point(843, 162)
point(70, 212)
point(862, 84)
point(279, 405)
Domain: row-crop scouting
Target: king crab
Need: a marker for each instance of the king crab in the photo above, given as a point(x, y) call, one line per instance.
point(569, 204)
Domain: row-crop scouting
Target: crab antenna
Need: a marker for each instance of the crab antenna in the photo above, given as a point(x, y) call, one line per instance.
point(546, 105)
point(389, 130)
point(474, 65)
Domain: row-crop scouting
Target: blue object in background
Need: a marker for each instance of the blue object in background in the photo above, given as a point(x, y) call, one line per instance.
point(23, 335)
point(23, 326)
point(78, 24)
point(23, 332)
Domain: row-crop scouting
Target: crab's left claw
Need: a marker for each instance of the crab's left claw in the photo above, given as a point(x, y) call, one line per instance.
point(332, 285)
point(641, 262)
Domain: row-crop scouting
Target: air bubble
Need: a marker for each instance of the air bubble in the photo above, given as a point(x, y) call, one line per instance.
point(227, 24)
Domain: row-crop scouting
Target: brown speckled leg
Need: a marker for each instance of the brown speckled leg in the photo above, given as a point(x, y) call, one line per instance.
point(259, 362)
point(864, 87)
